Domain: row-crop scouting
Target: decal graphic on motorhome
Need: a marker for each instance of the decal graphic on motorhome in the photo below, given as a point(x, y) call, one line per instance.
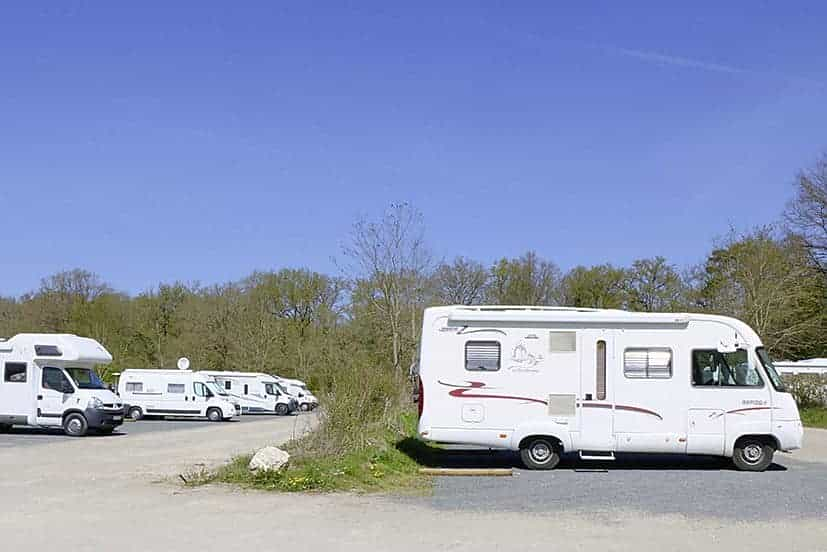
point(467, 392)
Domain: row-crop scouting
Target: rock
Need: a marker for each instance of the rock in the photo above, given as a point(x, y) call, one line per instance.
point(269, 459)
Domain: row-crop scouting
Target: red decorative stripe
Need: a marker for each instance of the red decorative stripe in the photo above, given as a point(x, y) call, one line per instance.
point(622, 407)
point(739, 410)
point(466, 391)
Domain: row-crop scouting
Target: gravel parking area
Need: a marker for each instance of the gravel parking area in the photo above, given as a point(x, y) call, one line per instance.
point(22, 436)
point(90, 494)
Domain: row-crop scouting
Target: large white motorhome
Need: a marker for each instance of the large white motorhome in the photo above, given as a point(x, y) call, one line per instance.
point(545, 381)
point(297, 388)
point(174, 393)
point(257, 393)
point(49, 380)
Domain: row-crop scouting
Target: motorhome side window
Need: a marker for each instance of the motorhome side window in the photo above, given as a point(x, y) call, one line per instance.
point(228, 385)
point(15, 372)
point(54, 379)
point(134, 387)
point(647, 363)
point(711, 368)
point(176, 388)
point(482, 356)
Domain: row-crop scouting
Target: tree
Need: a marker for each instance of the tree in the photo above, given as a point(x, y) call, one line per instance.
point(654, 285)
point(461, 282)
point(390, 261)
point(770, 284)
point(527, 280)
point(806, 214)
point(600, 287)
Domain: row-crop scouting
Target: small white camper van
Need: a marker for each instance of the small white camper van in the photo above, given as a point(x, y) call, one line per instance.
point(174, 393)
point(49, 380)
point(297, 388)
point(546, 380)
point(255, 392)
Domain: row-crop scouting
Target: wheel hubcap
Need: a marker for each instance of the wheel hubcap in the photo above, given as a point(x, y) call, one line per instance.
point(74, 425)
point(540, 452)
point(753, 453)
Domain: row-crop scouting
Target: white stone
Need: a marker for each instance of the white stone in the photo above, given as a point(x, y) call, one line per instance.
point(269, 459)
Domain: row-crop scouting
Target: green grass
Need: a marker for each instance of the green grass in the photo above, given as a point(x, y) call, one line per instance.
point(391, 464)
point(814, 417)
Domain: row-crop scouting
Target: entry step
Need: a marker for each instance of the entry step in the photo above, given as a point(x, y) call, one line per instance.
point(596, 455)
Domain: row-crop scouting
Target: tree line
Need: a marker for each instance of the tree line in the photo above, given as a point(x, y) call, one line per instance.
point(298, 322)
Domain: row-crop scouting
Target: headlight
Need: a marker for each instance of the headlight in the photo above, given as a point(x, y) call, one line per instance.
point(95, 403)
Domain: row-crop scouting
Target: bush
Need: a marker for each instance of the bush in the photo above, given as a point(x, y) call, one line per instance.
point(808, 389)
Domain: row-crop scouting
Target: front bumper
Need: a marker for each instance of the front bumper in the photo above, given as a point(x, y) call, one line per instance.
point(104, 417)
point(790, 434)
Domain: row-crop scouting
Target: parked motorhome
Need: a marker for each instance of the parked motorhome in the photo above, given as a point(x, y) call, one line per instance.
point(547, 381)
point(297, 388)
point(256, 393)
point(49, 380)
point(174, 393)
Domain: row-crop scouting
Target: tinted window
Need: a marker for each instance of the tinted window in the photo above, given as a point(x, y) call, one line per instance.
point(201, 389)
point(15, 372)
point(711, 368)
point(54, 379)
point(176, 388)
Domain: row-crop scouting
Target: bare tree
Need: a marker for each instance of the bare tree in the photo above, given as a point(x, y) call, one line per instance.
point(389, 258)
point(654, 285)
point(806, 214)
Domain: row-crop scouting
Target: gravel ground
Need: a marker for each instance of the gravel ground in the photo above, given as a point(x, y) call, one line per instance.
point(651, 484)
point(23, 436)
point(122, 493)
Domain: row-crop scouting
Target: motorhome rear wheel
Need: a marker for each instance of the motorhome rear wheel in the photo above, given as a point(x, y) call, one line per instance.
point(4, 428)
point(75, 425)
point(540, 453)
point(753, 454)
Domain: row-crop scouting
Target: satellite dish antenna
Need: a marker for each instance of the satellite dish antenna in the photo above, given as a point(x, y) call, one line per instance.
point(183, 363)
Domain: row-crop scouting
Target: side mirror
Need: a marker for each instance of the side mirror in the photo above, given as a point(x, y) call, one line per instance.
point(727, 346)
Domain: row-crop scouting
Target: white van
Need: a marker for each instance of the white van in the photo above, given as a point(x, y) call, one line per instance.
point(49, 380)
point(546, 380)
point(255, 392)
point(297, 388)
point(174, 393)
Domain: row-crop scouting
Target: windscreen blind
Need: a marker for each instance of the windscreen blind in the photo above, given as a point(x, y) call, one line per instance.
point(482, 356)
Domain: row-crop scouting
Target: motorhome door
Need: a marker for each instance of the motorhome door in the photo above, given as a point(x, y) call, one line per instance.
point(596, 398)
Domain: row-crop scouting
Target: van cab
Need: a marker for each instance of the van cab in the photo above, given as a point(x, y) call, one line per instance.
point(49, 380)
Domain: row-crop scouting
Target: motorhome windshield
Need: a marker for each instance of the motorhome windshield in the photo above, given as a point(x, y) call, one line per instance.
point(86, 378)
point(769, 367)
point(216, 389)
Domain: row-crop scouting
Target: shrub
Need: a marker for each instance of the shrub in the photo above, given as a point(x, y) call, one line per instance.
point(807, 389)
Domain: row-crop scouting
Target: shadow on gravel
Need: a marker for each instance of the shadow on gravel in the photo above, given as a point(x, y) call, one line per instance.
point(55, 432)
point(437, 457)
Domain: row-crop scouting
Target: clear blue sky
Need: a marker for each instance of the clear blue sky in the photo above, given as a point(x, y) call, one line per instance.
point(158, 141)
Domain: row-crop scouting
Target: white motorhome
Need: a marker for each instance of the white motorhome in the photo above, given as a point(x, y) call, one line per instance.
point(297, 388)
point(546, 380)
point(815, 366)
point(49, 380)
point(255, 392)
point(174, 393)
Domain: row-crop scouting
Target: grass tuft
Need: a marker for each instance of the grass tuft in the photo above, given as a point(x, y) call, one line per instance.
point(814, 416)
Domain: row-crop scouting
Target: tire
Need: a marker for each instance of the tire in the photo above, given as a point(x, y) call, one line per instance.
point(135, 413)
point(752, 454)
point(305, 407)
point(74, 425)
point(540, 453)
point(281, 409)
point(214, 415)
point(5, 428)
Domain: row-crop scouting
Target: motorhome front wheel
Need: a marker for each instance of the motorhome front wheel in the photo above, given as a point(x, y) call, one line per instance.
point(214, 415)
point(752, 454)
point(74, 425)
point(540, 453)
point(281, 409)
point(135, 413)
